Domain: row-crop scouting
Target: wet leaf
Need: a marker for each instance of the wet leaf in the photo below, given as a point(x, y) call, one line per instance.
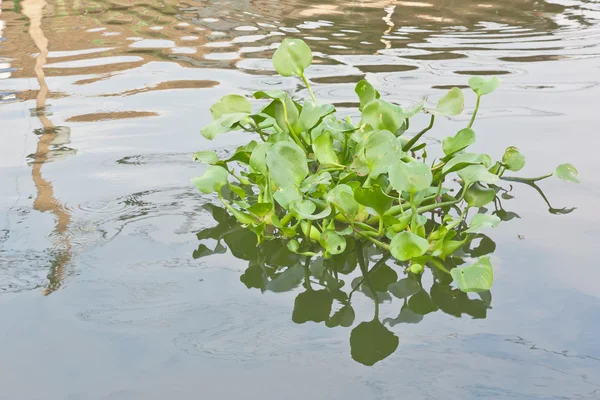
point(482, 86)
point(483, 221)
point(229, 104)
point(567, 173)
point(477, 277)
point(213, 179)
point(513, 160)
point(371, 342)
point(411, 177)
point(292, 57)
point(463, 139)
point(287, 164)
point(406, 245)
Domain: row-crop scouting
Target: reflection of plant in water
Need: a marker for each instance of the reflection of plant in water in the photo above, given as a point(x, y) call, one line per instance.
point(346, 193)
point(331, 283)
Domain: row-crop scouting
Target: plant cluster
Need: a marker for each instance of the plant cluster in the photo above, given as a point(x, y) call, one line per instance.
point(318, 183)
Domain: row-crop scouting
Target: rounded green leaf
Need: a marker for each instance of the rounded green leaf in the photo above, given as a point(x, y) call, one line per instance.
point(286, 195)
point(323, 148)
point(478, 277)
point(451, 104)
point(380, 149)
point(312, 113)
point(287, 164)
point(373, 197)
point(406, 245)
point(464, 160)
point(333, 242)
point(479, 196)
point(366, 93)
point(381, 115)
point(512, 159)
point(477, 173)
point(232, 103)
point(481, 86)
point(213, 179)
point(208, 157)
point(258, 159)
point(567, 173)
point(463, 139)
point(483, 221)
point(404, 288)
point(261, 209)
point(324, 178)
point(411, 177)
point(342, 197)
point(292, 57)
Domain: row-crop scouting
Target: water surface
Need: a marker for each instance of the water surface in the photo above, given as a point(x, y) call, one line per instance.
point(101, 103)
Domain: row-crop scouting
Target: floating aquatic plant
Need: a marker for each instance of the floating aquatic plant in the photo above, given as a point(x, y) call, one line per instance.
point(341, 191)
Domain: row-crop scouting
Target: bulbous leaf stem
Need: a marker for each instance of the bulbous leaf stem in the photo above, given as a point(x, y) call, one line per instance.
point(412, 141)
point(475, 111)
point(525, 180)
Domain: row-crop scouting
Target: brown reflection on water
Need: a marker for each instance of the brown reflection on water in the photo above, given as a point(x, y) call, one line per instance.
point(46, 200)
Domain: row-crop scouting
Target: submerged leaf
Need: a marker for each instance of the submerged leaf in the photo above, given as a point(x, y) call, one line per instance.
point(477, 277)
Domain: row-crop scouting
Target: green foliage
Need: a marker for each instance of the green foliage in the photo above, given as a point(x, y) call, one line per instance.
point(320, 186)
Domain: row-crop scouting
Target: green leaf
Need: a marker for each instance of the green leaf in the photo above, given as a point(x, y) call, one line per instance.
point(342, 197)
point(258, 159)
point(312, 113)
point(323, 148)
point(512, 159)
point(411, 177)
point(479, 196)
point(366, 93)
point(208, 157)
point(451, 104)
point(286, 195)
point(413, 110)
point(404, 288)
point(371, 342)
point(213, 179)
point(477, 173)
point(304, 209)
point(477, 277)
point(277, 111)
point(466, 159)
point(232, 103)
point(567, 173)
point(333, 242)
point(373, 197)
point(292, 57)
point(312, 181)
point(482, 86)
point(382, 277)
point(312, 305)
point(381, 115)
point(242, 154)
point(406, 245)
point(483, 221)
point(287, 164)
point(463, 139)
point(381, 149)
point(261, 209)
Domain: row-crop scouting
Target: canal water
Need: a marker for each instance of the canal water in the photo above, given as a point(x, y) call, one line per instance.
point(101, 103)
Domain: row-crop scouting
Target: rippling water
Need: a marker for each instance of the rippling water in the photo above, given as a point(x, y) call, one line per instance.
point(100, 107)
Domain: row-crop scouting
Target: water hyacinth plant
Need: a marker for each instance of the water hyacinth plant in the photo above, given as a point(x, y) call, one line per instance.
point(326, 186)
